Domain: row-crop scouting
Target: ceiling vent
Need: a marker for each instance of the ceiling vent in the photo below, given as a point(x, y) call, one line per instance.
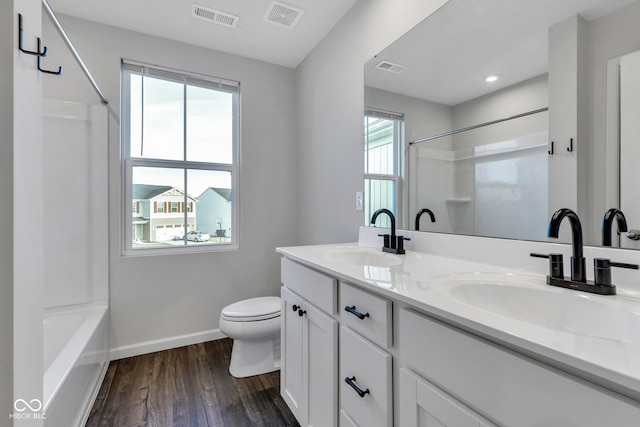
point(390, 66)
point(283, 15)
point(215, 16)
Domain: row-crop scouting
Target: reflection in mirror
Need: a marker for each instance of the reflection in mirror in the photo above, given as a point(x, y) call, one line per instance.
point(488, 180)
point(624, 93)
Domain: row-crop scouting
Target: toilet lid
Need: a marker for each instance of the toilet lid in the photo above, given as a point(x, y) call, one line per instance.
point(253, 308)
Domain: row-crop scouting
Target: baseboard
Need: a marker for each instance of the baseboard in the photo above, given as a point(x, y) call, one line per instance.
point(164, 344)
point(94, 394)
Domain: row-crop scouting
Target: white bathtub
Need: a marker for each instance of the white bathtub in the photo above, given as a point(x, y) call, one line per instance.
point(75, 360)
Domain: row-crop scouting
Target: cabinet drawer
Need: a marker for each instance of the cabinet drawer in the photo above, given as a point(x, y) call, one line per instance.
point(315, 287)
point(375, 317)
point(371, 368)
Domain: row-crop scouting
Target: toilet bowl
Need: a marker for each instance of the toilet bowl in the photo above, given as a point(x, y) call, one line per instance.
point(254, 326)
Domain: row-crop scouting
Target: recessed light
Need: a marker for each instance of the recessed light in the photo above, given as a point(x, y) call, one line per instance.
point(492, 78)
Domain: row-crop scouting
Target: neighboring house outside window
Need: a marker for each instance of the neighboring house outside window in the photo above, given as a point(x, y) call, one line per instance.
point(383, 148)
point(154, 222)
point(180, 136)
point(216, 200)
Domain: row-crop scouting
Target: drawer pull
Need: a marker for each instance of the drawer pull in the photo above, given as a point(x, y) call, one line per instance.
point(301, 312)
point(358, 390)
point(295, 307)
point(353, 311)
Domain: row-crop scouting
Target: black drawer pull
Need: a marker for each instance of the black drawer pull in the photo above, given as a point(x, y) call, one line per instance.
point(358, 390)
point(295, 307)
point(353, 311)
point(301, 312)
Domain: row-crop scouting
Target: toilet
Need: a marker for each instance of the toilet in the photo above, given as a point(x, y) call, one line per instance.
point(254, 326)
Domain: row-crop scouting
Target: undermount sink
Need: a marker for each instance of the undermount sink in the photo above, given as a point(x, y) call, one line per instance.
point(530, 300)
point(356, 255)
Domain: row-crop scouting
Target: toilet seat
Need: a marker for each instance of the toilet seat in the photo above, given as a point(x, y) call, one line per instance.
point(251, 310)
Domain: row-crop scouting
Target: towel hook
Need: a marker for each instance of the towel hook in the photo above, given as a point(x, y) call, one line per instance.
point(570, 147)
point(38, 52)
point(40, 64)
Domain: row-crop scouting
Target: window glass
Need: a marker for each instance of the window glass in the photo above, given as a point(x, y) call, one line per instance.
point(209, 125)
point(180, 144)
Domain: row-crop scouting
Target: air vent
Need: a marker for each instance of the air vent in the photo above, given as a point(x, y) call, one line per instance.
point(215, 16)
point(283, 15)
point(390, 66)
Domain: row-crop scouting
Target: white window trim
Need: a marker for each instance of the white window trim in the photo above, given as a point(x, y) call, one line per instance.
point(127, 164)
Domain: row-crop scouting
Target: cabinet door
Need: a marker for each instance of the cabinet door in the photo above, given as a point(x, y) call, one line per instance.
point(424, 405)
point(320, 368)
point(291, 352)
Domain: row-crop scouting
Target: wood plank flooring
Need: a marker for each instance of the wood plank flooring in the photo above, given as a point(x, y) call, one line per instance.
point(187, 386)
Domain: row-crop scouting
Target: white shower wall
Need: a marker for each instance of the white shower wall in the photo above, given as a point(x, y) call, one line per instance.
point(75, 203)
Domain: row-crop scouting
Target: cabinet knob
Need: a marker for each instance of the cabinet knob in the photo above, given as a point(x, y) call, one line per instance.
point(302, 312)
point(296, 307)
point(353, 311)
point(351, 382)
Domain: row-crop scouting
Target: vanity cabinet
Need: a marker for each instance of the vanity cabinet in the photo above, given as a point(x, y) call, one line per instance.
point(506, 387)
point(352, 356)
point(309, 345)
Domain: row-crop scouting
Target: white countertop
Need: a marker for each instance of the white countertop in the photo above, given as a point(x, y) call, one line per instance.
point(604, 349)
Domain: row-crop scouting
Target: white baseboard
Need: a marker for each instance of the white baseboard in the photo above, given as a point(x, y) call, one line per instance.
point(164, 344)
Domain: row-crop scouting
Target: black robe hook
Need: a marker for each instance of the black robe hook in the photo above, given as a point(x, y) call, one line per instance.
point(40, 64)
point(30, 52)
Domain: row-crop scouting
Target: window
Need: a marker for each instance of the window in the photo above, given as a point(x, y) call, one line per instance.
point(383, 136)
point(180, 145)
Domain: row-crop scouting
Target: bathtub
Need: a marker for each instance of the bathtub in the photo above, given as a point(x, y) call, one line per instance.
point(75, 361)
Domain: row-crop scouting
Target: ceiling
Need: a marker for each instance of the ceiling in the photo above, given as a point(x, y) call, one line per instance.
point(450, 53)
point(252, 37)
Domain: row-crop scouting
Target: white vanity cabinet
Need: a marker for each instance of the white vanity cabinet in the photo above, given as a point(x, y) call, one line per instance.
point(309, 345)
point(508, 388)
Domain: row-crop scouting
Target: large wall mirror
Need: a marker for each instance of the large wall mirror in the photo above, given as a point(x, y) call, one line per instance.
point(477, 150)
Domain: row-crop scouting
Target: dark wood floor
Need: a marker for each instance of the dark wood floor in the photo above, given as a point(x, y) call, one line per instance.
point(187, 386)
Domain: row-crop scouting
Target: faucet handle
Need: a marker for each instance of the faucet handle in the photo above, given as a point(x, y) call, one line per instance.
point(556, 264)
point(386, 240)
point(602, 270)
point(400, 244)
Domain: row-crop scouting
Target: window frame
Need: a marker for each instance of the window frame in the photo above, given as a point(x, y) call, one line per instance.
point(129, 163)
point(398, 162)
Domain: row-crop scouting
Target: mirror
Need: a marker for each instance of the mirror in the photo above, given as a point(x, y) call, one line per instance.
point(477, 152)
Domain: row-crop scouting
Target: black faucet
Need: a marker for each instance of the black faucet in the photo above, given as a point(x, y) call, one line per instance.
point(601, 284)
point(578, 267)
point(607, 224)
point(427, 211)
point(392, 243)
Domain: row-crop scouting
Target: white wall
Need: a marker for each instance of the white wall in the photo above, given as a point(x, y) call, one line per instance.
point(7, 47)
point(21, 212)
point(330, 91)
point(163, 301)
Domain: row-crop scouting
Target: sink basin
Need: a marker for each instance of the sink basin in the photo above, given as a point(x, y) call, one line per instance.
point(530, 300)
point(361, 256)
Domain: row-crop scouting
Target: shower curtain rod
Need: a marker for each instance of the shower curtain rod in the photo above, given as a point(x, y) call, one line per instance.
point(517, 116)
point(74, 52)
